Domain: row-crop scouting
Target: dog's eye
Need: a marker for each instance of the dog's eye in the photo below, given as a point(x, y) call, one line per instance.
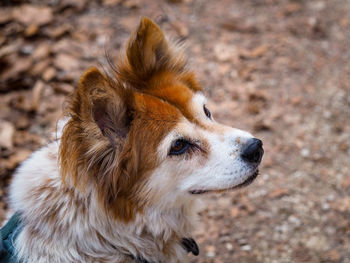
point(180, 146)
point(207, 112)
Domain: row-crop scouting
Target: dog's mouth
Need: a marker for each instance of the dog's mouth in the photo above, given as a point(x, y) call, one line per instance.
point(248, 181)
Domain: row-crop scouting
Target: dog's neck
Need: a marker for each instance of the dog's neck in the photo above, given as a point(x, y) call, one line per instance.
point(68, 220)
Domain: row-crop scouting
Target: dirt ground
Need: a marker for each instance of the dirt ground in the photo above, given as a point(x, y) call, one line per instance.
point(278, 68)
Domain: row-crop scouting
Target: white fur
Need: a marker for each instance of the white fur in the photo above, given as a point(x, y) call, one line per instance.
point(223, 169)
point(81, 239)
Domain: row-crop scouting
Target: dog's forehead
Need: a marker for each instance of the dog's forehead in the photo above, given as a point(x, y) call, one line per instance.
point(155, 108)
point(171, 93)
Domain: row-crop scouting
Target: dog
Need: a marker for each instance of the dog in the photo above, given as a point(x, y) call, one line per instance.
point(132, 156)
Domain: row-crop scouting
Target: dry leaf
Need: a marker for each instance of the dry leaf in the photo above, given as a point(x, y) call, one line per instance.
point(254, 53)
point(66, 62)
point(42, 51)
point(63, 88)
point(180, 28)
point(111, 2)
point(292, 8)
point(15, 159)
point(132, 4)
point(19, 66)
point(36, 94)
point(79, 5)
point(58, 31)
point(224, 52)
point(49, 74)
point(6, 134)
point(5, 15)
point(39, 67)
point(342, 205)
point(31, 30)
point(279, 192)
point(345, 182)
point(33, 15)
point(238, 26)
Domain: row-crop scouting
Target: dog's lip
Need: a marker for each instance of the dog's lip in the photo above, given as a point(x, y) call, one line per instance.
point(248, 181)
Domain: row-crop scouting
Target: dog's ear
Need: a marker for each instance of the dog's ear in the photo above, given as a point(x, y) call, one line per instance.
point(98, 101)
point(93, 139)
point(99, 120)
point(148, 49)
point(149, 52)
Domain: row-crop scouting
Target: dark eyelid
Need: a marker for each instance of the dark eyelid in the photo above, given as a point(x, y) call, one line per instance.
point(190, 141)
point(206, 111)
point(194, 144)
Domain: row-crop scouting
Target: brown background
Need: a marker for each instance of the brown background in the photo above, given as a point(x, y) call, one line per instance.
point(278, 68)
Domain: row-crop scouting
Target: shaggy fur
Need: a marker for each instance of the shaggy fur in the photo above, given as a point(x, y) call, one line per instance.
point(108, 189)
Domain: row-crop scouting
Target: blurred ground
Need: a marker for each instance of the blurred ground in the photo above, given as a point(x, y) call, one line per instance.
point(278, 68)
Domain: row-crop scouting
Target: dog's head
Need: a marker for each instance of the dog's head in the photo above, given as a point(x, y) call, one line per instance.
point(145, 137)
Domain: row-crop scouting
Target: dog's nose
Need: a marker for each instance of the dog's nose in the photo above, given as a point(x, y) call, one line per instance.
point(252, 151)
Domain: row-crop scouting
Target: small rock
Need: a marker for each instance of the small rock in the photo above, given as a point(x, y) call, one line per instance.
point(210, 248)
point(246, 247)
point(294, 220)
point(229, 246)
point(27, 49)
point(210, 251)
point(325, 206)
point(305, 152)
point(316, 243)
point(327, 114)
